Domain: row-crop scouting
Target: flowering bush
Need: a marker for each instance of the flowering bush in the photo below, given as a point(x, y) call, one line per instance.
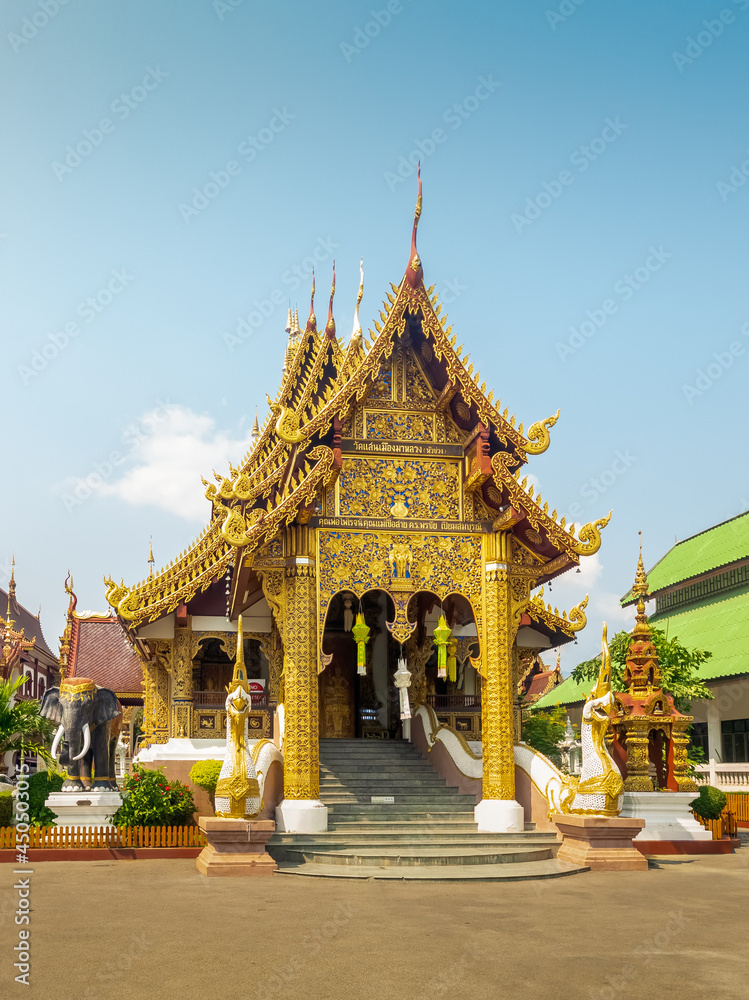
point(151, 799)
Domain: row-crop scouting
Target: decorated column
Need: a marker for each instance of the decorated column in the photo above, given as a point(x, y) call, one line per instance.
point(301, 810)
point(182, 683)
point(498, 812)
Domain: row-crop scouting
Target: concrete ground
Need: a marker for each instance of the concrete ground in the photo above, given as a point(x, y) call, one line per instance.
point(157, 930)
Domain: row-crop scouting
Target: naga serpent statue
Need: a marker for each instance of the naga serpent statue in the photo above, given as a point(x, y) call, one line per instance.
point(600, 790)
point(237, 791)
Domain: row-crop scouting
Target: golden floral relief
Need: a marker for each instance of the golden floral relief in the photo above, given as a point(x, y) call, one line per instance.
point(405, 488)
point(400, 426)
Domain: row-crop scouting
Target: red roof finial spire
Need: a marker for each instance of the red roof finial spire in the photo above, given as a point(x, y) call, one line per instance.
point(414, 272)
point(330, 325)
point(312, 321)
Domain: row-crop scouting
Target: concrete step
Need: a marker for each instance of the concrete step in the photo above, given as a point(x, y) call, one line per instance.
point(411, 799)
point(369, 771)
point(551, 868)
point(422, 816)
point(333, 839)
point(410, 856)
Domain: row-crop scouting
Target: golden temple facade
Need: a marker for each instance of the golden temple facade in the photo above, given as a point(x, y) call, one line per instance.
point(385, 481)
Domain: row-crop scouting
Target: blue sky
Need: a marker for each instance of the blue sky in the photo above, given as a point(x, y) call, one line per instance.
point(166, 167)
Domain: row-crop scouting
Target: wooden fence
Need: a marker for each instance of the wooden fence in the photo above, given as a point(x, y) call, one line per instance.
point(724, 826)
point(69, 837)
point(739, 805)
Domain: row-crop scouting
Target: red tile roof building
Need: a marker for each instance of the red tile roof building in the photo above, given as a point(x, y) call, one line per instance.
point(96, 646)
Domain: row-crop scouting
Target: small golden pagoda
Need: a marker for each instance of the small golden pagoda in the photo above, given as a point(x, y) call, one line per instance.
point(648, 729)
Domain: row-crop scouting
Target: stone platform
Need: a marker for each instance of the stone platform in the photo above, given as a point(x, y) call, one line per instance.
point(667, 815)
point(236, 847)
point(84, 808)
point(602, 843)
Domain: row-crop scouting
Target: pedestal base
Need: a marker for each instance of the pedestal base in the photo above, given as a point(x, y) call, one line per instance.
point(602, 843)
point(84, 808)
point(236, 847)
point(302, 816)
point(667, 816)
point(499, 816)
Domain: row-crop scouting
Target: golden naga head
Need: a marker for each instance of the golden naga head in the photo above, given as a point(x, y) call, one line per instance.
point(590, 536)
point(539, 438)
point(598, 705)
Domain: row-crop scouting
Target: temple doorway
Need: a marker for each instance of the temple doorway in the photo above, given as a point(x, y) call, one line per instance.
point(354, 704)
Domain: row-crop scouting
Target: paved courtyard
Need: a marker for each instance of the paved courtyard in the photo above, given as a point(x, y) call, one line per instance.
point(156, 930)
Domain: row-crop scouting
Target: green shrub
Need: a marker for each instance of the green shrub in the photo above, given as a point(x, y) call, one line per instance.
point(544, 729)
point(6, 808)
point(205, 774)
point(152, 799)
point(711, 802)
point(41, 785)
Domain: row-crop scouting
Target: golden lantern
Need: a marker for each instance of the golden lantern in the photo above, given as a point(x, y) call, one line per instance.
point(361, 635)
point(441, 635)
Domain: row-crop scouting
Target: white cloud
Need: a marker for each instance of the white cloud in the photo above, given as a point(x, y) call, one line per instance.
point(168, 462)
point(603, 606)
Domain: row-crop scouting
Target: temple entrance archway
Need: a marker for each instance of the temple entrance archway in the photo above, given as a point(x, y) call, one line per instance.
point(366, 704)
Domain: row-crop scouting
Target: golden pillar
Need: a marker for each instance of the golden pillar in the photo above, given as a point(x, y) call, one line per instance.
point(301, 736)
point(637, 729)
point(680, 740)
point(497, 702)
point(506, 593)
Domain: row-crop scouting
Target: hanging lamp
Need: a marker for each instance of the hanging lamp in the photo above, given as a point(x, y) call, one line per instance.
point(361, 636)
point(441, 635)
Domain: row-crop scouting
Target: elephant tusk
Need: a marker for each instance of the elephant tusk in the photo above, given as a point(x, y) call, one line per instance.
point(86, 742)
point(56, 742)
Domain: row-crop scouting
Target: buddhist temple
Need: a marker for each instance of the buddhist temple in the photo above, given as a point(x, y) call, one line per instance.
point(385, 493)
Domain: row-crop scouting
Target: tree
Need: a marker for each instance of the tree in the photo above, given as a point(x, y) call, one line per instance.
point(21, 725)
point(678, 664)
point(543, 729)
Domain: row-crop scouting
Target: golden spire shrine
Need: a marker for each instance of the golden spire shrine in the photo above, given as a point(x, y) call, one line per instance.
point(651, 741)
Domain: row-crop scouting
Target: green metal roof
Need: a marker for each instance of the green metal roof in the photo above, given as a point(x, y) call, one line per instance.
point(720, 545)
point(720, 624)
point(566, 693)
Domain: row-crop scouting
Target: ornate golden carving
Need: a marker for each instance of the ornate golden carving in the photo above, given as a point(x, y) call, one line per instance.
point(411, 488)
point(496, 692)
point(287, 424)
point(301, 747)
point(569, 624)
point(181, 665)
point(396, 425)
point(401, 627)
point(590, 536)
point(538, 436)
point(359, 561)
point(417, 657)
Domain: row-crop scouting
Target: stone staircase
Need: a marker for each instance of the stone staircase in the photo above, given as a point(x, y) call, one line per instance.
point(426, 833)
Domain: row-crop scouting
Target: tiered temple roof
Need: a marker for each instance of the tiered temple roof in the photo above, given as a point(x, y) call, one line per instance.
point(297, 454)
